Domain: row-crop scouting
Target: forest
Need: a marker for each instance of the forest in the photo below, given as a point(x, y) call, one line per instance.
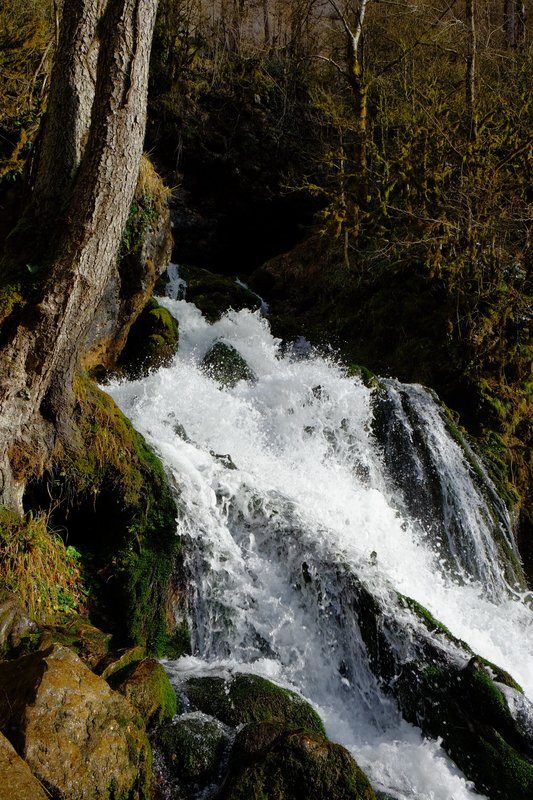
point(347, 186)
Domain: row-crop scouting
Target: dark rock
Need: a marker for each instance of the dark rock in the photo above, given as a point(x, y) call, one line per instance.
point(226, 365)
point(250, 698)
point(271, 761)
point(214, 294)
point(152, 341)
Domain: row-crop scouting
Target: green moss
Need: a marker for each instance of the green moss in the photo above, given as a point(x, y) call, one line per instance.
point(290, 764)
point(152, 342)
point(250, 698)
point(501, 675)
point(119, 511)
point(425, 616)
point(146, 685)
point(496, 768)
point(368, 378)
point(214, 294)
point(226, 365)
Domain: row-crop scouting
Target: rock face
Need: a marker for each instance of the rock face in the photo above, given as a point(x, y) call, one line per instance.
point(81, 739)
point(16, 779)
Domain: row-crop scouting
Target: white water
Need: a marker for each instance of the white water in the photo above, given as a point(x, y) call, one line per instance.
point(268, 543)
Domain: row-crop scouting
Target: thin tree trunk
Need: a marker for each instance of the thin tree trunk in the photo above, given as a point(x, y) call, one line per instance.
point(40, 355)
point(471, 70)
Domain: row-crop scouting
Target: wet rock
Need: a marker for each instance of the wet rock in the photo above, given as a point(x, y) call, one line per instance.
point(152, 341)
point(214, 294)
point(80, 738)
point(226, 365)
point(145, 684)
point(188, 751)
point(16, 779)
point(250, 698)
point(271, 761)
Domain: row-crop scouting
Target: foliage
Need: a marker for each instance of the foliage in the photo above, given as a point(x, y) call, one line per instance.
point(38, 567)
point(26, 41)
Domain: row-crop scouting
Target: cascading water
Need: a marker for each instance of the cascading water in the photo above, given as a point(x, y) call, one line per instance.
point(291, 497)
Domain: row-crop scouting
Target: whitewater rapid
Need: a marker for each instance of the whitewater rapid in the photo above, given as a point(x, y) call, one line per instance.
point(282, 488)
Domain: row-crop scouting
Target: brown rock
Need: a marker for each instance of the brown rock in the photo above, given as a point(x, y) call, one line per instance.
point(78, 736)
point(16, 780)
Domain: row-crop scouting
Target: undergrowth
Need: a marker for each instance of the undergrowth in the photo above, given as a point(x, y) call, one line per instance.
point(37, 566)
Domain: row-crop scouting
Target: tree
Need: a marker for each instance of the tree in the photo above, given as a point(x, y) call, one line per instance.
point(43, 336)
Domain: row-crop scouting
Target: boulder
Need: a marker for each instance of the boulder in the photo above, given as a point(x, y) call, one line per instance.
point(80, 738)
point(250, 698)
point(226, 365)
point(188, 751)
point(214, 294)
point(16, 779)
point(152, 342)
point(145, 684)
point(271, 761)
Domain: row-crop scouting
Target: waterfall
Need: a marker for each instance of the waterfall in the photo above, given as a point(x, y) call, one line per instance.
point(303, 487)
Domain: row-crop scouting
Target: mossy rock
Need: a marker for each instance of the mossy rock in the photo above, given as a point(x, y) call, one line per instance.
point(115, 505)
point(146, 685)
point(88, 642)
point(250, 698)
point(152, 342)
point(192, 748)
point(215, 294)
point(226, 365)
point(79, 737)
point(468, 710)
point(270, 762)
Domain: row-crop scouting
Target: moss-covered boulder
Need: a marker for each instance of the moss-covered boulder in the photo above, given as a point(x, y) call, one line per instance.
point(110, 495)
point(250, 698)
point(152, 342)
point(188, 751)
point(80, 738)
point(16, 779)
point(145, 684)
point(215, 294)
point(270, 761)
point(226, 365)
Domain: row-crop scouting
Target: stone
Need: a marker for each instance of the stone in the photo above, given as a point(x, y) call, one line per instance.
point(146, 685)
point(16, 779)
point(80, 738)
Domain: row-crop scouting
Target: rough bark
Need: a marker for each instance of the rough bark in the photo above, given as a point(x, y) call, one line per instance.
point(40, 355)
point(69, 105)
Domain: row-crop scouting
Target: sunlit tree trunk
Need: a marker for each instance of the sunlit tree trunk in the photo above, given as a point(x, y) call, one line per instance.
point(40, 350)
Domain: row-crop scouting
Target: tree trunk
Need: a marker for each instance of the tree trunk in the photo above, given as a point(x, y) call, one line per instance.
point(39, 356)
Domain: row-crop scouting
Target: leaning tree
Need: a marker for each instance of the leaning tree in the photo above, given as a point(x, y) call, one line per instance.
point(82, 183)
